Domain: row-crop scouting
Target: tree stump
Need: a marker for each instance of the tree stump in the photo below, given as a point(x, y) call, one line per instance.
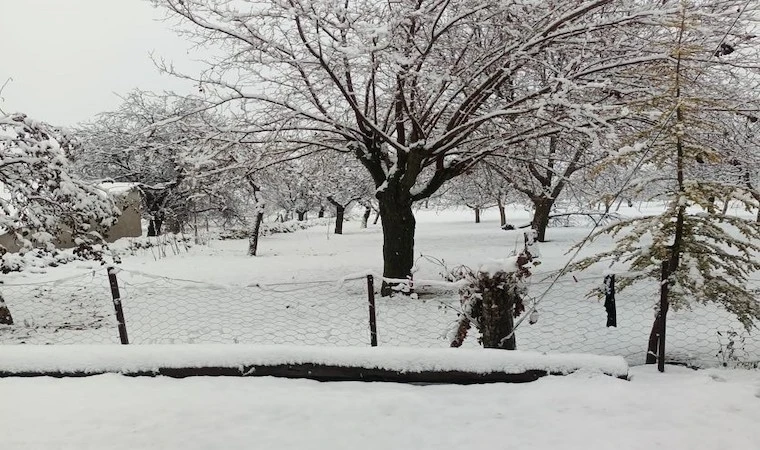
point(500, 296)
point(5, 313)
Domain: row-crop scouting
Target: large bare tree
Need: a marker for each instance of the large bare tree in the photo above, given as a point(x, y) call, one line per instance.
point(418, 90)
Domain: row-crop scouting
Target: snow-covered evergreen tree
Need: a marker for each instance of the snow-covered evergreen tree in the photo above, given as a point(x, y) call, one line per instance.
point(680, 154)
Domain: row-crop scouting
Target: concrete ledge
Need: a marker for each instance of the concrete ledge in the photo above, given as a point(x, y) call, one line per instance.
point(407, 365)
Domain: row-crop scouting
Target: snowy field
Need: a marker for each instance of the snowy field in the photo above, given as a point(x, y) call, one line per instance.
point(292, 294)
point(679, 410)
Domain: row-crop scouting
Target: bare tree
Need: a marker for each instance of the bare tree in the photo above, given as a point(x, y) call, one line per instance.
point(415, 89)
point(342, 181)
point(542, 169)
point(155, 142)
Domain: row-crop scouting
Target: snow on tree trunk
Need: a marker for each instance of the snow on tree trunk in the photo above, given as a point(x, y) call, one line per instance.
point(398, 238)
point(253, 239)
point(491, 299)
point(154, 227)
point(5, 313)
point(365, 217)
point(653, 341)
point(496, 320)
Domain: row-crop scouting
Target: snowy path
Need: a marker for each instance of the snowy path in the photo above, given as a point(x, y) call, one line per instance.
point(681, 409)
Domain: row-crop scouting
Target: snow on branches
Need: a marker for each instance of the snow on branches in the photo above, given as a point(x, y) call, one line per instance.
point(41, 201)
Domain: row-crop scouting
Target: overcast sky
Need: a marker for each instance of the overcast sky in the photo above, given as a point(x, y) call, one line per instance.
point(68, 59)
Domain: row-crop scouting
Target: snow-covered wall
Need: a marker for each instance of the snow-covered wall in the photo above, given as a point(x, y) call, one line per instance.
point(258, 360)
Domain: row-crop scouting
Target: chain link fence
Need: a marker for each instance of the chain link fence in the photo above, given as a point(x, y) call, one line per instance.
point(162, 310)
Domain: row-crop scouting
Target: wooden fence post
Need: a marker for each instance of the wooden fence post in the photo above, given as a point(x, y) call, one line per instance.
point(117, 305)
point(372, 316)
point(609, 300)
point(664, 285)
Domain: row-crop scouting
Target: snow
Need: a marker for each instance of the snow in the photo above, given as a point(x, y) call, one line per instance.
point(51, 359)
point(216, 294)
point(117, 188)
point(678, 410)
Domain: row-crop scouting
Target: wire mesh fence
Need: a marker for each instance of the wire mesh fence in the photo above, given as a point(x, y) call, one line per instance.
point(162, 310)
point(571, 320)
point(72, 310)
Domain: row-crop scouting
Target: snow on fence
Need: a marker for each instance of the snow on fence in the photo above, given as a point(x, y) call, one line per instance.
point(161, 310)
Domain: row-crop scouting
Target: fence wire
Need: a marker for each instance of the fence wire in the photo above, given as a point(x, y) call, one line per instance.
point(162, 310)
point(73, 310)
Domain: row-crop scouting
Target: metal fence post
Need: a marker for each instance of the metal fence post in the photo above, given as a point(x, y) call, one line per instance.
point(663, 315)
point(117, 305)
point(609, 300)
point(372, 316)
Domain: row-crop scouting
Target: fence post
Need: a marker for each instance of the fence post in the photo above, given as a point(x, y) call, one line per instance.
point(117, 305)
point(372, 316)
point(663, 315)
point(609, 300)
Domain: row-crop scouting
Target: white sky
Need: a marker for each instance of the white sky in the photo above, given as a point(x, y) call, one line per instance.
point(70, 58)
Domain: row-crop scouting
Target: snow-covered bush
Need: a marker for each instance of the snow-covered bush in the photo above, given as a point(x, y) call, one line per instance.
point(40, 198)
point(274, 228)
point(41, 203)
point(173, 242)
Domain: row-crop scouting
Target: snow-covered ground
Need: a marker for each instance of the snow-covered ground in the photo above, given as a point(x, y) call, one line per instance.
point(290, 295)
point(678, 410)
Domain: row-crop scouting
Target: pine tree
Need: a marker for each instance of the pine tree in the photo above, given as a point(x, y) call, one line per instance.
point(683, 152)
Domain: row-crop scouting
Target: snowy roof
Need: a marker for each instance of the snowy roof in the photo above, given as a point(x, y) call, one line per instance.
point(117, 188)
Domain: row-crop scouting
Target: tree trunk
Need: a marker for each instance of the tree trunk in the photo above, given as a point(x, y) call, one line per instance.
point(340, 212)
point(5, 313)
point(497, 319)
point(175, 226)
point(365, 217)
point(502, 214)
point(477, 215)
point(154, 227)
point(321, 212)
point(377, 217)
point(301, 215)
point(653, 341)
point(398, 238)
point(543, 208)
point(253, 239)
